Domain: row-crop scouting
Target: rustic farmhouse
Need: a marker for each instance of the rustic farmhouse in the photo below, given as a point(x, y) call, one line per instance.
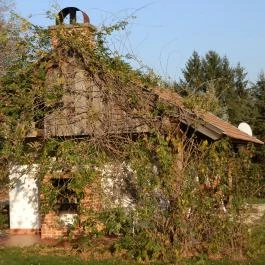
point(95, 104)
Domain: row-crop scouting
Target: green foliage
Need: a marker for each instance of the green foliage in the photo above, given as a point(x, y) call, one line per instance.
point(258, 93)
point(142, 247)
point(257, 237)
point(178, 184)
point(258, 118)
point(216, 83)
point(181, 212)
point(117, 221)
point(27, 256)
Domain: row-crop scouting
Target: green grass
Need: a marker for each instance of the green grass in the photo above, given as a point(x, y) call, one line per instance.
point(15, 256)
point(256, 200)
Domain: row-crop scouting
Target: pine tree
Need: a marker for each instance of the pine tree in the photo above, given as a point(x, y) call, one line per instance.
point(258, 121)
point(214, 73)
point(258, 92)
point(193, 74)
point(239, 100)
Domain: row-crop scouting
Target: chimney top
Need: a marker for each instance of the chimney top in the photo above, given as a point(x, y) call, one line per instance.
point(73, 27)
point(72, 12)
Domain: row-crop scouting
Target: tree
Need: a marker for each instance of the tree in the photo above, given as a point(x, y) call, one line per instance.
point(213, 73)
point(239, 99)
point(258, 93)
point(8, 52)
point(193, 72)
point(258, 122)
point(9, 36)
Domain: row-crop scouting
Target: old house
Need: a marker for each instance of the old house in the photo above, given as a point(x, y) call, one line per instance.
point(95, 103)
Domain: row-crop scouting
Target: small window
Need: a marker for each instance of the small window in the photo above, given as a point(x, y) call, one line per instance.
point(67, 201)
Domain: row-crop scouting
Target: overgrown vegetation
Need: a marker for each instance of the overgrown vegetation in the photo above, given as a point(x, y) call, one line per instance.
point(179, 198)
point(223, 89)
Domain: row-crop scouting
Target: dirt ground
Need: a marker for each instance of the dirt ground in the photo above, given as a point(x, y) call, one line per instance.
point(19, 240)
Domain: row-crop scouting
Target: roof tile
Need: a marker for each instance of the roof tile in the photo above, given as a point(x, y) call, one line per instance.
point(226, 128)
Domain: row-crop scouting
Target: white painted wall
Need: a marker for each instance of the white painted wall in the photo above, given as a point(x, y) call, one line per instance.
point(24, 198)
point(68, 219)
point(114, 186)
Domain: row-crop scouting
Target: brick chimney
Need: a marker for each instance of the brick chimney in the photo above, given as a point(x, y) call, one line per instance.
point(83, 29)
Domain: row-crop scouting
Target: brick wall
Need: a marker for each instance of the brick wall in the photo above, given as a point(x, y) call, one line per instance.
point(92, 197)
point(53, 228)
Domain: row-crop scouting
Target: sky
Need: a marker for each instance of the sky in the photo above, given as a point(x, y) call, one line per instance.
point(162, 34)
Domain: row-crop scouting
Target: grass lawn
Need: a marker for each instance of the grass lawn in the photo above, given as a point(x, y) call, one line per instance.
point(15, 256)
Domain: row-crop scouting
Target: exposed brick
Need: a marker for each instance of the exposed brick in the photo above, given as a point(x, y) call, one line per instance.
point(52, 228)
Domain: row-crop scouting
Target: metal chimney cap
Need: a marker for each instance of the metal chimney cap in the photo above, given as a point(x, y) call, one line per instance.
point(72, 12)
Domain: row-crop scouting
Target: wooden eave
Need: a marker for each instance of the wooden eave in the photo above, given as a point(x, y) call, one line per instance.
point(206, 122)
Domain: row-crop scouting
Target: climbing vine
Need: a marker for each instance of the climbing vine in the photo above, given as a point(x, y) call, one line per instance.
point(167, 194)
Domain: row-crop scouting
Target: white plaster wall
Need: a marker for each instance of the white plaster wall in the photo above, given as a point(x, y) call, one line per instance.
point(114, 187)
point(24, 198)
point(68, 219)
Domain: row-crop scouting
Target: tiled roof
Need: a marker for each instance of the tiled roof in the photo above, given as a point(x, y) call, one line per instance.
point(228, 129)
point(225, 127)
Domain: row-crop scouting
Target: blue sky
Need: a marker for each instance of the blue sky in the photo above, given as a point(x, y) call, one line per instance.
point(166, 32)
